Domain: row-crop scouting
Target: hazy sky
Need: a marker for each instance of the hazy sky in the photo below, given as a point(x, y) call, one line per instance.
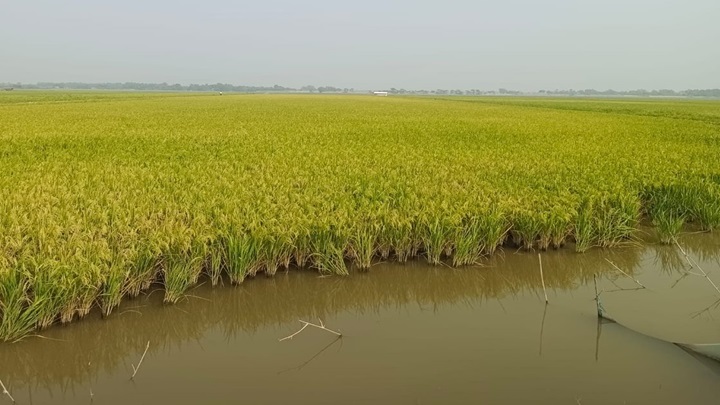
point(366, 44)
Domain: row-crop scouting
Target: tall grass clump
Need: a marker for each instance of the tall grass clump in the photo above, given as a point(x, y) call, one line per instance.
point(584, 230)
point(617, 218)
point(329, 243)
point(477, 235)
point(705, 204)
point(17, 316)
point(243, 255)
point(668, 208)
point(671, 205)
point(436, 234)
point(526, 228)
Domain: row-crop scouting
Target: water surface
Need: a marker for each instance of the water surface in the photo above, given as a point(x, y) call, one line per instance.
point(413, 334)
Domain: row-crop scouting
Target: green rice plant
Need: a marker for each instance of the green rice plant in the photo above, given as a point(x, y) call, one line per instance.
point(401, 235)
point(469, 241)
point(17, 316)
point(301, 247)
point(707, 211)
point(436, 234)
point(285, 252)
point(559, 227)
point(329, 243)
point(179, 272)
point(85, 291)
point(243, 256)
point(495, 228)
point(276, 250)
point(616, 219)
point(50, 291)
point(113, 287)
point(384, 231)
point(364, 243)
point(143, 270)
point(526, 228)
point(215, 261)
point(545, 233)
point(667, 206)
point(585, 232)
point(705, 207)
point(668, 225)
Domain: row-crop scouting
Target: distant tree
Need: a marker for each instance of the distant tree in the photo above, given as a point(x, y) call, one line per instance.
point(328, 89)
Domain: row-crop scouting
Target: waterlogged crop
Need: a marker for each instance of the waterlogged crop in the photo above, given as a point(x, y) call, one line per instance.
point(104, 195)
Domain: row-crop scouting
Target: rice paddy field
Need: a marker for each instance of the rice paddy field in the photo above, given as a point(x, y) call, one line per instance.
point(107, 194)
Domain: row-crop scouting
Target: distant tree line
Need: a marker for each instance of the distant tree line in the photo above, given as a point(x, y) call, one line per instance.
point(326, 89)
point(224, 87)
point(152, 87)
point(639, 92)
point(571, 92)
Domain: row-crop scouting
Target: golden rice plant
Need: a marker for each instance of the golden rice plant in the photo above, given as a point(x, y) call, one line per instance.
point(104, 195)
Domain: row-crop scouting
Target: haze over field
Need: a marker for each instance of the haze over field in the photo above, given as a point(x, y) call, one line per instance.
point(519, 44)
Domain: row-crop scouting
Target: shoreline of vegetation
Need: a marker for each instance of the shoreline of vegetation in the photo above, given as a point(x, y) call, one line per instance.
point(106, 195)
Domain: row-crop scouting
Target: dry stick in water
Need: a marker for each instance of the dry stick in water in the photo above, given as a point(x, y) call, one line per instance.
point(597, 298)
point(92, 394)
point(598, 332)
point(621, 288)
point(298, 368)
point(6, 392)
point(135, 369)
point(542, 328)
point(708, 309)
point(625, 274)
point(542, 279)
point(306, 324)
point(697, 266)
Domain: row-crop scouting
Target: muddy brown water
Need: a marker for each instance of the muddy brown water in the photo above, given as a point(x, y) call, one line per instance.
point(413, 334)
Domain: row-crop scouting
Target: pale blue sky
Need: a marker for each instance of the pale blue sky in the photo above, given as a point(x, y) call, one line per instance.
point(370, 44)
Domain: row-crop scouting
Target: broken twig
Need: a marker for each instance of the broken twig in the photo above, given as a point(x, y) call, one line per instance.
point(306, 324)
point(625, 274)
point(135, 369)
point(695, 265)
point(542, 328)
point(305, 363)
point(708, 309)
point(6, 392)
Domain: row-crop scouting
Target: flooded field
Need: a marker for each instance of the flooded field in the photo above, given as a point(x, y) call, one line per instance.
point(412, 334)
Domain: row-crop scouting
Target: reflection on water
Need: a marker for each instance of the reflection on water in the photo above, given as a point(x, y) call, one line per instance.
point(504, 292)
